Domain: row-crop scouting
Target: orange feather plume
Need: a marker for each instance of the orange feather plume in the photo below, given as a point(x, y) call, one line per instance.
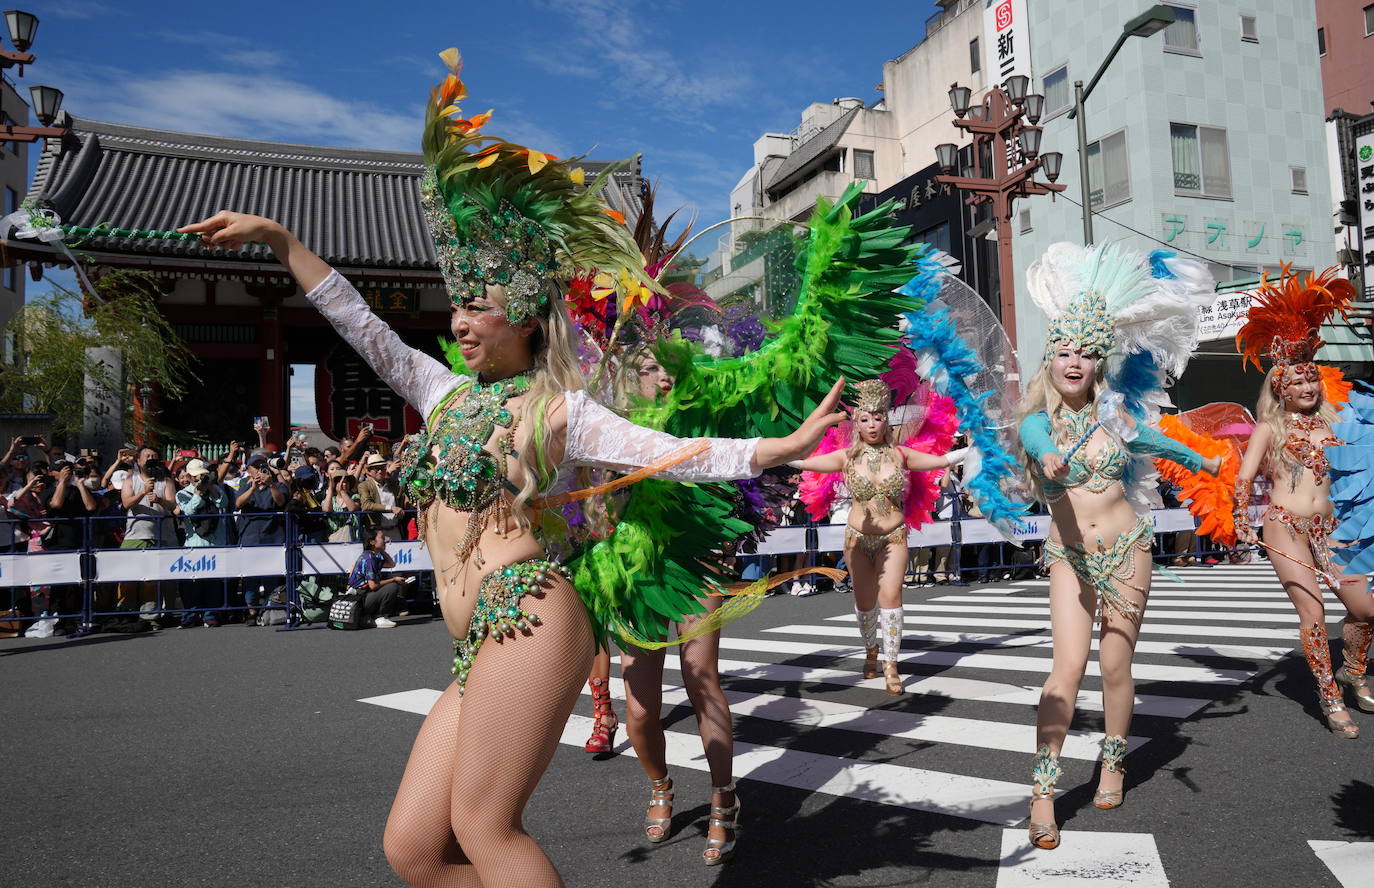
point(1335, 387)
point(1209, 497)
point(1286, 315)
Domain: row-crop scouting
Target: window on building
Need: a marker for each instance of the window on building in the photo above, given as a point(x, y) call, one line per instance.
point(1369, 20)
point(1181, 36)
point(937, 237)
point(975, 57)
point(1202, 164)
point(1056, 90)
point(11, 200)
point(1321, 41)
point(6, 120)
point(1109, 171)
point(1249, 29)
point(1298, 174)
point(1024, 217)
point(863, 164)
point(7, 279)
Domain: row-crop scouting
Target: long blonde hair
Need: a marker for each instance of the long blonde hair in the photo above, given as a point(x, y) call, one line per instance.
point(1269, 410)
point(1040, 394)
point(556, 370)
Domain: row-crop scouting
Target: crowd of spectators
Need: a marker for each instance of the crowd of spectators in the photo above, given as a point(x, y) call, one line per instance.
point(55, 501)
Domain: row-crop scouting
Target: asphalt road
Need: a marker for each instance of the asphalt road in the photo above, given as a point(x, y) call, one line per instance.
point(244, 757)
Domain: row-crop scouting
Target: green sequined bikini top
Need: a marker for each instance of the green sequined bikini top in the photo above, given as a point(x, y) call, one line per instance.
point(1093, 473)
point(464, 474)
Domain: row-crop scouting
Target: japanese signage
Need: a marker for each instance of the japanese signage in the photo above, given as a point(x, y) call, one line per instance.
point(1223, 318)
point(392, 301)
point(348, 395)
point(1006, 40)
point(1214, 234)
point(1364, 186)
point(102, 426)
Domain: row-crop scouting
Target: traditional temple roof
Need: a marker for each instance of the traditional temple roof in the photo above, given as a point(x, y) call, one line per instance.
point(356, 208)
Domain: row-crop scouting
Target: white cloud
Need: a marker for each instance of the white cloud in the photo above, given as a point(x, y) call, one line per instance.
point(77, 9)
point(635, 63)
point(260, 105)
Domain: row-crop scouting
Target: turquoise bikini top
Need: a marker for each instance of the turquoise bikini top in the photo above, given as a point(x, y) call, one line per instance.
point(1098, 471)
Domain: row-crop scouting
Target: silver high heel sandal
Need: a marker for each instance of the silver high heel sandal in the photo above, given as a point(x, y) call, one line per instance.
point(1113, 751)
point(662, 797)
point(718, 851)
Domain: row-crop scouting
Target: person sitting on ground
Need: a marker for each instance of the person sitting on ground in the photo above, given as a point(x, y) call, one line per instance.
point(377, 596)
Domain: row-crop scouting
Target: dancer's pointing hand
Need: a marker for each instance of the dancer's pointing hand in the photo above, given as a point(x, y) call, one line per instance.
point(231, 231)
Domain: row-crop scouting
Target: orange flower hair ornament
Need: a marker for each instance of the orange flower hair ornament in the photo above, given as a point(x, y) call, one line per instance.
point(1285, 319)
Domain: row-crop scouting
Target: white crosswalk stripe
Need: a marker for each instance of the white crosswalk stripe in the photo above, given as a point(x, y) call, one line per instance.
point(979, 656)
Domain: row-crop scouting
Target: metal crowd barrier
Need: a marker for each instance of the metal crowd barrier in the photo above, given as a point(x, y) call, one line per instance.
point(91, 565)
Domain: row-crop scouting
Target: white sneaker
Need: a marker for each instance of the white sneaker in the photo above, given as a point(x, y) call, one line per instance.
point(807, 588)
point(384, 623)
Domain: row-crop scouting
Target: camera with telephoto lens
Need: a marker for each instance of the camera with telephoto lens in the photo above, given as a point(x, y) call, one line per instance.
point(155, 469)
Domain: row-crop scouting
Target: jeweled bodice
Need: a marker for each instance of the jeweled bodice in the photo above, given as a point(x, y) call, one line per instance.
point(881, 493)
point(1091, 472)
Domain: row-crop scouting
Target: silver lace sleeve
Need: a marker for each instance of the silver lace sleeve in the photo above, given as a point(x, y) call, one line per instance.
point(422, 380)
point(598, 437)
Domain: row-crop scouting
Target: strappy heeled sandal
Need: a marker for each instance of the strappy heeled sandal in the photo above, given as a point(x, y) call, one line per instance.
point(1113, 751)
point(871, 662)
point(893, 679)
point(606, 724)
point(662, 797)
point(724, 818)
point(1044, 777)
point(1358, 686)
point(1043, 835)
point(1346, 730)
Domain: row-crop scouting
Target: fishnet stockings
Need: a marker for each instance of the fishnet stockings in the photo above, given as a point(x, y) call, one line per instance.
point(456, 820)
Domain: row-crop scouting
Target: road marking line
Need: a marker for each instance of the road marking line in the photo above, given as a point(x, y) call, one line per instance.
point(1245, 652)
point(1082, 860)
point(955, 795)
point(976, 732)
point(1350, 862)
point(944, 686)
point(1141, 671)
point(1151, 612)
point(1149, 628)
point(419, 701)
point(1156, 605)
point(1156, 592)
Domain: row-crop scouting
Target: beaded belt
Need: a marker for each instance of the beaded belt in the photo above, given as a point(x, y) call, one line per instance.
point(498, 609)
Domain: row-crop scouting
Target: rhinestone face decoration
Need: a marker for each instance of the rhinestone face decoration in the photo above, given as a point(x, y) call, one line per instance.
point(1085, 324)
point(503, 248)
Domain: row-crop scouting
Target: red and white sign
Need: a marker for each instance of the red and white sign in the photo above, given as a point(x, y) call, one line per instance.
point(1006, 40)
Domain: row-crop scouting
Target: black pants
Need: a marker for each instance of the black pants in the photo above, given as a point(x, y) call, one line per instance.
point(380, 602)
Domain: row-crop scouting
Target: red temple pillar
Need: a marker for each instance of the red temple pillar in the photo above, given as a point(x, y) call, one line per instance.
point(272, 367)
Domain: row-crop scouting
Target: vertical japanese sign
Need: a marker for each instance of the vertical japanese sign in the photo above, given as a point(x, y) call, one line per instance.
point(1006, 39)
point(1364, 185)
point(102, 424)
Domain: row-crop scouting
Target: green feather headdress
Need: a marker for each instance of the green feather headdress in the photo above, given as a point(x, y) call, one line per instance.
point(501, 213)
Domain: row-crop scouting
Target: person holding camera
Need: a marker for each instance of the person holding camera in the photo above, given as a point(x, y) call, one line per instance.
point(377, 596)
point(261, 506)
point(341, 501)
point(148, 496)
point(203, 504)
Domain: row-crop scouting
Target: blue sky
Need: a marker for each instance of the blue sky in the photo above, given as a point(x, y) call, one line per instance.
point(688, 84)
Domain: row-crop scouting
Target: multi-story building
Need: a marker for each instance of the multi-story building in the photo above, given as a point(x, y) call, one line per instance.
point(1345, 42)
point(14, 175)
point(1206, 138)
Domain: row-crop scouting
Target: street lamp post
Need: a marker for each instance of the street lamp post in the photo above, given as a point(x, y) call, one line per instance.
point(1151, 21)
point(1001, 134)
point(47, 101)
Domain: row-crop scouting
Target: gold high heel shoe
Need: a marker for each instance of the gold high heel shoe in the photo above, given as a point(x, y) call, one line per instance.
point(893, 679)
point(1318, 654)
point(1044, 775)
point(1351, 675)
point(718, 851)
point(871, 662)
point(1113, 751)
point(662, 797)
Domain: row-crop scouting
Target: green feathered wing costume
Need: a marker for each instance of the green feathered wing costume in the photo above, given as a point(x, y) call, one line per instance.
point(664, 553)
